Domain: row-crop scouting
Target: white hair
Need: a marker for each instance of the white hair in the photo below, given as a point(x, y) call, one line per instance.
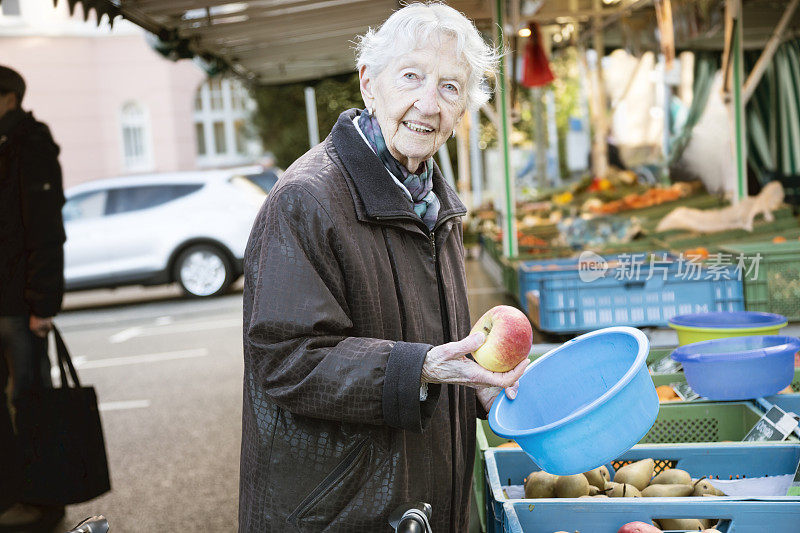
point(414, 24)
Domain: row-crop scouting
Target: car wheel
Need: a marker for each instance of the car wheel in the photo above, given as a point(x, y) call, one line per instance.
point(203, 271)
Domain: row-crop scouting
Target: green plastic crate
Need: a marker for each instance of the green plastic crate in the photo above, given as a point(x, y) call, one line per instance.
point(702, 422)
point(485, 438)
point(776, 286)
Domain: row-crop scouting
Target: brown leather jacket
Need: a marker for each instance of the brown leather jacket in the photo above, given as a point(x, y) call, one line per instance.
point(345, 292)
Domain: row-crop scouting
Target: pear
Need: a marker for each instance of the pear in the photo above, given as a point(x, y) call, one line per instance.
point(621, 490)
point(540, 485)
point(681, 524)
point(593, 491)
point(637, 474)
point(573, 486)
point(598, 476)
point(667, 491)
point(703, 487)
point(673, 476)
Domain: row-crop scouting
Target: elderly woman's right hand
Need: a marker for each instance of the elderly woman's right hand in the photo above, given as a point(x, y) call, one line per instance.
point(448, 363)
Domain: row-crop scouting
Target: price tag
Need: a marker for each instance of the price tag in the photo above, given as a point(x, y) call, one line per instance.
point(667, 365)
point(775, 425)
point(684, 391)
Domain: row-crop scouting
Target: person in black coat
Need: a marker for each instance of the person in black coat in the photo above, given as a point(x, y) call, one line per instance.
point(31, 281)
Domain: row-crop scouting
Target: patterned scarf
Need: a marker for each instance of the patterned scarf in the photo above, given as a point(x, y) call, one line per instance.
point(426, 204)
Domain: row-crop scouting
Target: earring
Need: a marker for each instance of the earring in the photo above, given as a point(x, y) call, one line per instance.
point(454, 133)
point(371, 111)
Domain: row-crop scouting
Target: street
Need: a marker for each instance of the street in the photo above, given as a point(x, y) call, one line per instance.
point(168, 376)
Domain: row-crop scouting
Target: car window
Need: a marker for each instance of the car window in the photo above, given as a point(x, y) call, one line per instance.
point(265, 180)
point(85, 205)
point(126, 199)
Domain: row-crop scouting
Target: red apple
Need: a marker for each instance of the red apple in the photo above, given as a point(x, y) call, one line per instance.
point(508, 338)
point(638, 527)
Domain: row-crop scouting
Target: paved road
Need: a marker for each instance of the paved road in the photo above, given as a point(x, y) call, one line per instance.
point(168, 375)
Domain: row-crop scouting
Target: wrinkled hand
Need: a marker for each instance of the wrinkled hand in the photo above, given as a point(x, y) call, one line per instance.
point(40, 326)
point(448, 363)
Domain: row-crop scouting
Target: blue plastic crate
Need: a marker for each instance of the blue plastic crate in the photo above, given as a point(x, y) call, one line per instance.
point(723, 461)
point(569, 305)
point(778, 515)
point(532, 273)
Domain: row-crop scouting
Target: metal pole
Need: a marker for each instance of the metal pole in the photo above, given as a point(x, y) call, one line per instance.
point(552, 135)
point(738, 102)
point(462, 160)
point(510, 222)
point(600, 148)
point(539, 137)
point(447, 165)
point(475, 162)
point(311, 117)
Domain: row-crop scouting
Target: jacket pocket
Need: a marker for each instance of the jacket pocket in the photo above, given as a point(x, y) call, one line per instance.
point(341, 471)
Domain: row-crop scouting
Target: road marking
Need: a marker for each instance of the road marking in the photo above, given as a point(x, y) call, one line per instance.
point(192, 326)
point(163, 320)
point(144, 358)
point(124, 335)
point(122, 406)
point(168, 328)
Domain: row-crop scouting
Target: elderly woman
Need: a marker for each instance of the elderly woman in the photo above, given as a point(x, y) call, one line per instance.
point(358, 395)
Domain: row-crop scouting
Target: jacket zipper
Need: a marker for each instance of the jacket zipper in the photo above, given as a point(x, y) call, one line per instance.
point(440, 288)
point(344, 466)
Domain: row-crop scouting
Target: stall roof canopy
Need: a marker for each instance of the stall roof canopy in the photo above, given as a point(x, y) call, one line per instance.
point(267, 41)
point(279, 41)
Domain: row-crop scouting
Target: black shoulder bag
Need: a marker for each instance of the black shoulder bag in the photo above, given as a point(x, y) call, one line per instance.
point(61, 440)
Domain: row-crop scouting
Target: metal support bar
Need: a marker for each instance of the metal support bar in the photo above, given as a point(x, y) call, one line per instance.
point(311, 117)
point(600, 146)
point(446, 165)
point(475, 163)
point(733, 11)
point(769, 51)
point(510, 222)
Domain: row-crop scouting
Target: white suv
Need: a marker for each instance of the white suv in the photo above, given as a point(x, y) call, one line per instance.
point(189, 227)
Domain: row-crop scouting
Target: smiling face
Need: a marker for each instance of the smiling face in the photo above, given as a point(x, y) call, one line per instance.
point(418, 98)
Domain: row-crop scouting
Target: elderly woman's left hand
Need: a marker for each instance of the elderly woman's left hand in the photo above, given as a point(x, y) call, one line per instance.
point(448, 363)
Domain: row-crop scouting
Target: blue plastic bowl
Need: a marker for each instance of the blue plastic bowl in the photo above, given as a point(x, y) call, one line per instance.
point(739, 368)
point(582, 404)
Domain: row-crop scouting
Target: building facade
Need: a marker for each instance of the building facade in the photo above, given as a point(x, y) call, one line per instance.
point(114, 105)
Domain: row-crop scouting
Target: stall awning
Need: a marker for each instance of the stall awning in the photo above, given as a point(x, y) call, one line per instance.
point(266, 41)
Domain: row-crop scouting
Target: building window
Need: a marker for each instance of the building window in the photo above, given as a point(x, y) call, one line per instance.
point(200, 135)
point(240, 133)
point(10, 8)
point(220, 145)
point(216, 94)
point(137, 155)
point(223, 131)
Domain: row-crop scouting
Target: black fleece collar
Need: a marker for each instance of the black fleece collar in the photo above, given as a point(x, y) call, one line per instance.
point(381, 196)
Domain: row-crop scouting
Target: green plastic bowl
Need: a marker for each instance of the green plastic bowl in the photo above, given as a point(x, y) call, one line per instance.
point(722, 324)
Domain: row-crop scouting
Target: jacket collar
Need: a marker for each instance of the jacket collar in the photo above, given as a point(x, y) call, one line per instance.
point(379, 194)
